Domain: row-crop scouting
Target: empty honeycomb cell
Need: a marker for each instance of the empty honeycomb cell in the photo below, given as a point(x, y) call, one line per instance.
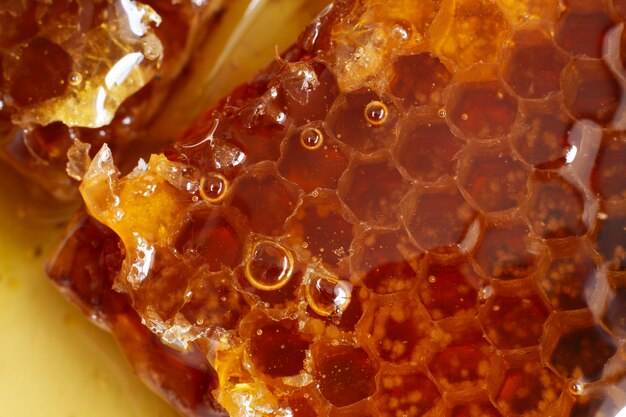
point(483, 408)
point(344, 374)
point(475, 32)
point(507, 252)
point(583, 353)
point(387, 261)
point(398, 329)
point(529, 389)
point(277, 348)
point(611, 240)
point(312, 167)
point(570, 276)
point(609, 176)
point(494, 178)
point(373, 190)
point(543, 140)
point(614, 318)
point(482, 109)
point(463, 362)
point(582, 33)
point(514, 318)
point(42, 72)
point(264, 199)
point(212, 303)
point(532, 64)
point(419, 79)
point(427, 148)
point(251, 142)
point(320, 229)
point(207, 235)
point(590, 91)
point(406, 392)
point(449, 288)
point(301, 405)
point(349, 122)
point(556, 207)
point(437, 217)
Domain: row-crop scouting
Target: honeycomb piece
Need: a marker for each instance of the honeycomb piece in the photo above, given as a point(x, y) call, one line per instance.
point(416, 210)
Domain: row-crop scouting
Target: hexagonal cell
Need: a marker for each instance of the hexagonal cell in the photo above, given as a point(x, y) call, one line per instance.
point(406, 392)
point(614, 318)
point(320, 229)
point(304, 404)
point(532, 64)
point(315, 166)
point(474, 20)
point(427, 148)
point(398, 330)
point(373, 190)
point(437, 217)
point(494, 178)
point(507, 252)
point(514, 319)
point(570, 276)
point(582, 353)
point(263, 198)
point(611, 240)
point(207, 235)
point(482, 109)
point(476, 408)
point(351, 125)
point(449, 288)
point(556, 207)
point(463, 362)
point(386, 261)
point(419, 79)
point(582, 33)
point(590, 91)
point(609, 174)
point(543, 142)
point(344, 374)
point(529, 389)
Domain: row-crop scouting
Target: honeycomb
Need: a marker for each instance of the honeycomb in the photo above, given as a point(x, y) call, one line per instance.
point(115, 60)
point(419, 209)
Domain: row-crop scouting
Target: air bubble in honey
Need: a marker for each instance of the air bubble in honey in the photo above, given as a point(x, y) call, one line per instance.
point(311, 138)
point(213, 188)
point(270, 266)
point(327, 295)
point(75, 79)
point(376, 113)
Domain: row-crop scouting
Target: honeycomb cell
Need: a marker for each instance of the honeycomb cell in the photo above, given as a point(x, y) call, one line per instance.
point(406, 392)
point(314, 167)
point(387, 261)
point(583, 353)
point(427, 148)
point(543, 141)
point(399, 331)
point(344, 374)
point(494, 178)
point(611, 241)
point(419, 79)
point(570, 276)
point(449, 288)
point(614, 318)
point(373, 190)
point(609, 176)
point(464, 361)
point(556, 207)
point(437, 217)
point(529, 389)
point(482, 109)
point(507, 252)
point(264, 199)
point(349, 124)
point(590, 91)
point(581, 33)
point(514, 319)
point(320, 229)
point(532, 64)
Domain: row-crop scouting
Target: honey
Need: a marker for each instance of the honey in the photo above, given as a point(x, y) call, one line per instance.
point(417, 210)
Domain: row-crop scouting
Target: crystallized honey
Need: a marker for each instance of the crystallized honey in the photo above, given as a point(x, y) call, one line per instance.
point(419, 209)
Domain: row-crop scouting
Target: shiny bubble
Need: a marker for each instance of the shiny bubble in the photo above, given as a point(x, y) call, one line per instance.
point(376, 113)
point(327, 295)
point(311, 138)
point(213, 188)
point(270, 266)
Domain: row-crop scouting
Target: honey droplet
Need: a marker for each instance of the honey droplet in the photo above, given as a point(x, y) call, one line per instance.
point(213, 188)
point(270, 267)
point(311, 138)
point(442, 113)
point(327, 295)
point(75, 79)
point(376, 112)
